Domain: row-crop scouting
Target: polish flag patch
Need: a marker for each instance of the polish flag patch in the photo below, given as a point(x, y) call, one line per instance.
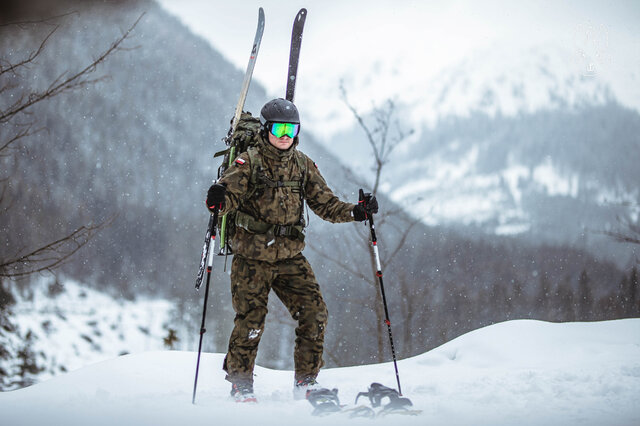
point(240, 161)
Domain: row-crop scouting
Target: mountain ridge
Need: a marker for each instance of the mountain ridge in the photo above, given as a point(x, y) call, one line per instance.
point(518, 141)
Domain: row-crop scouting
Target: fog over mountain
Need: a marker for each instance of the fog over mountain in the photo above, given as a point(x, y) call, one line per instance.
point(534, 146)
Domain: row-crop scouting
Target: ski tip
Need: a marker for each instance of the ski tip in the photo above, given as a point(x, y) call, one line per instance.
point(302, 14)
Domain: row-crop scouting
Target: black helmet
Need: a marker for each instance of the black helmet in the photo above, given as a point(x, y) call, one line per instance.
point(279, 111)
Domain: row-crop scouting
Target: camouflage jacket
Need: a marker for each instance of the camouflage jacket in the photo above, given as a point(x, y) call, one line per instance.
point(279, 205)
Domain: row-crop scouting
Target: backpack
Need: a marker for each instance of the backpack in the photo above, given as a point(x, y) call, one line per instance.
point(246, 134)
point(245, 138)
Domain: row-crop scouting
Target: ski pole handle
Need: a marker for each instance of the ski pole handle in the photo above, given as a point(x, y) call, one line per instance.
point(374, 240)
point(213, 224)
point(363, 201)
point(206, 260)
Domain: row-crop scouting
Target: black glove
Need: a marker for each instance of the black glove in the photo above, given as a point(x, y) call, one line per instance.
point(215, 196)
point(367, 206)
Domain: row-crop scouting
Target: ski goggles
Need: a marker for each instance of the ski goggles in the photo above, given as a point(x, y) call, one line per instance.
point(281, 129)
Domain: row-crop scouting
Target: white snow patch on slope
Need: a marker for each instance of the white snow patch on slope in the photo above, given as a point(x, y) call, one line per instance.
point(81, 326)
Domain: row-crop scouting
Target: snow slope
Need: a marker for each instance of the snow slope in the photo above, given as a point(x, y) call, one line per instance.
point(79, 326)
point(519, 372)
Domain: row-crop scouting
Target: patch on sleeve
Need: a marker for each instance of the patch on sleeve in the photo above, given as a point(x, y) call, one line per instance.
point(240, 161)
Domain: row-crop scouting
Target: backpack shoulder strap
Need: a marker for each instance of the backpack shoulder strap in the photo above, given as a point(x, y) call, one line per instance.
point(255, 160)
point(257, 166)
point(303, 165)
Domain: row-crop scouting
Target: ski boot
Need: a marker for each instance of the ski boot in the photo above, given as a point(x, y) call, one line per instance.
point(302, 387)
point(243, 392)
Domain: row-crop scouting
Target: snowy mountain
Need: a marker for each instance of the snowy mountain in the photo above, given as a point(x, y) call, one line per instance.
point(509, 80)
point(516, 372)
point(517, 142)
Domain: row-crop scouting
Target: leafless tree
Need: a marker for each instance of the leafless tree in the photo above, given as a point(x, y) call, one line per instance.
point(379, 134)
point(55, 253)
point(384, 134)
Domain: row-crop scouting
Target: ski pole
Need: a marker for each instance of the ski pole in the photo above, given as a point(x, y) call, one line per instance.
point(374, 243)
point(208, 253)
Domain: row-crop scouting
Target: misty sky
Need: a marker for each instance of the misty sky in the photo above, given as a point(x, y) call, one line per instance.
point(379, 47)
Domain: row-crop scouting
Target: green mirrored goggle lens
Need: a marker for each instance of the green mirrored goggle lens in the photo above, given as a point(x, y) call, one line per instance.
point(281, 129)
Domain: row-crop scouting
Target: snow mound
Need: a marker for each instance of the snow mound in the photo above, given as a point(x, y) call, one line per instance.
point(517, 372)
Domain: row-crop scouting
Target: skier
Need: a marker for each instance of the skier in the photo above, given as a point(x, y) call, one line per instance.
point(268, 197)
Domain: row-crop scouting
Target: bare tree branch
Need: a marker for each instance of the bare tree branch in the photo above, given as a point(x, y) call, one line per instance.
point(65, 83)
point(378, 137)
point(11, 68)
point(631, 235)
point(386, 262)
point(5, 149)
point(48, 20)
point(51, 255)
point(60, 251)
point(628, 230)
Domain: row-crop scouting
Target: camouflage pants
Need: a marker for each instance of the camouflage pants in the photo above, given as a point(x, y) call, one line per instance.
point(295, 285)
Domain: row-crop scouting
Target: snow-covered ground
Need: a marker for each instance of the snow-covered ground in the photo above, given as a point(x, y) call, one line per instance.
point(77, 326)
point(519, 372)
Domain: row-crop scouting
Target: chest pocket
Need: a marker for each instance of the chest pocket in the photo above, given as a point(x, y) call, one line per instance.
point(259, 181)
point(260, 184)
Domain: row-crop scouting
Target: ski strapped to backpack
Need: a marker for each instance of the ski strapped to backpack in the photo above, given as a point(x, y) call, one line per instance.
point(294, 53)
point(245, 134)
point(234, 122)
